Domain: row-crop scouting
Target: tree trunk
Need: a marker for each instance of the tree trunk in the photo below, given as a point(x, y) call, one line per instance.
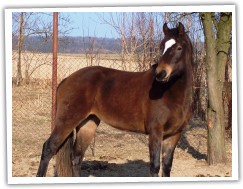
point(19, 77)
point(217, 46)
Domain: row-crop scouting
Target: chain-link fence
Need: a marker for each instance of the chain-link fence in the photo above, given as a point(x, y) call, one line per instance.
point(32, 124)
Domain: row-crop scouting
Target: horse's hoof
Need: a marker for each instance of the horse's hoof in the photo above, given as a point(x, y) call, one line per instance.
point(154, 175)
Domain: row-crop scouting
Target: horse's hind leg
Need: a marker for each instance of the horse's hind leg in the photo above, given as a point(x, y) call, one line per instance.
point(168, 148)
point(84, 135)
point(63, 127)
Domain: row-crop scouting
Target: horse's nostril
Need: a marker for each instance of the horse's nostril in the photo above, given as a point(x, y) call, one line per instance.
point(163, 74)
point(160, 76)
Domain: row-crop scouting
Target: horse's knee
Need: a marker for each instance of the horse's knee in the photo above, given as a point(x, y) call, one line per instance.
point(154, 150)
point(168, 149)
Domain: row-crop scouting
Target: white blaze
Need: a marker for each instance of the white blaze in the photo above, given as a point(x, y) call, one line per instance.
point(168, 44)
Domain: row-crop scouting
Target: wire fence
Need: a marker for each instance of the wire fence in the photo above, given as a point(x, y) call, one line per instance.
point(31, 110)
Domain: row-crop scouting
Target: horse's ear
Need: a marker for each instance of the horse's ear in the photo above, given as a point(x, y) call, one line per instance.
point(165, 29)
point(181, 29)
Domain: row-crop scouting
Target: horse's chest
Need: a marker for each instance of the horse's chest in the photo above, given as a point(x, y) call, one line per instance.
point(169, 117)
point(175, 121)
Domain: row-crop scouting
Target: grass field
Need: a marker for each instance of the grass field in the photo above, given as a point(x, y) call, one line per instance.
point(39, 65)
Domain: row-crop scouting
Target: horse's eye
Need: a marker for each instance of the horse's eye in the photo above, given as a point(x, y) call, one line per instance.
point(179, 48)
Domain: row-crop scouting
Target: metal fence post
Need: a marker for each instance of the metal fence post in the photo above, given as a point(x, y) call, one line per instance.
point(54, 67)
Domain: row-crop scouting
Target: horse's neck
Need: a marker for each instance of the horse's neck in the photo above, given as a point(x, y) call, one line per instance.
point(186, 83)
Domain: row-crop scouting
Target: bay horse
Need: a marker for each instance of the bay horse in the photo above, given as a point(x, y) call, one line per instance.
point(156, 102)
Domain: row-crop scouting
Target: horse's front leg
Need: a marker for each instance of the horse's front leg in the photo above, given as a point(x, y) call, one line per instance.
point(155, 138)
point(168, 148)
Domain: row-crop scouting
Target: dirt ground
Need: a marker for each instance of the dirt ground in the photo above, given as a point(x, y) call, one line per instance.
point(116, 153)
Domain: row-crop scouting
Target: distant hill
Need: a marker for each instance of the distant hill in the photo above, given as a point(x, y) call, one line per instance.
point(71, 45)
point(79, 45)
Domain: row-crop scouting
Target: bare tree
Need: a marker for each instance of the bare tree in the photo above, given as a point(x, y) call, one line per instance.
point(92, 51)
point(138, 38)
point(34, 24)
point(19, 77)
point(33, 61)
point(217, 31)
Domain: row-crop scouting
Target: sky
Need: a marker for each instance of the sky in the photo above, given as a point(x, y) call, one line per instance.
point(90, 24)
point(86, 23)
point(82, 23)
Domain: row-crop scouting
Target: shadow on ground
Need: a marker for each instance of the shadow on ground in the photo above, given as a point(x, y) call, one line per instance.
point(136, 168)
point(185, 145)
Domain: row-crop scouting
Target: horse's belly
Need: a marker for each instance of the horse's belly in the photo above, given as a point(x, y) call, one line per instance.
point(120, 113)
point(122, 121)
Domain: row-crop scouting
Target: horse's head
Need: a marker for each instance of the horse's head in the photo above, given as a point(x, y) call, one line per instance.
point(172, 53)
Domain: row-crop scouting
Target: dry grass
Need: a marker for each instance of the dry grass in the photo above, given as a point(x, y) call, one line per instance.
point(39, 65)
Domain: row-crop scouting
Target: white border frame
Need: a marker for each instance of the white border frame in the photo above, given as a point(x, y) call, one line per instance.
point(8, 51)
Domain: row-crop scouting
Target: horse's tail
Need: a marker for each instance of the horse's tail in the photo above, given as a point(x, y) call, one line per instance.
point(63, 158)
